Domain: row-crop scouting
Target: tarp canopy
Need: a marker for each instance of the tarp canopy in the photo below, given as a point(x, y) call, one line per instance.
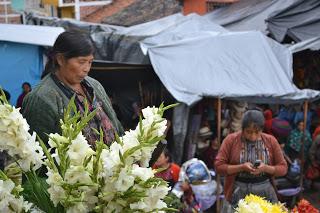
point(113, 43)
point(300, 21)
point(26, 34)
point(211, 62)
point(189, 49)
point(312, 44)
point(247, 14)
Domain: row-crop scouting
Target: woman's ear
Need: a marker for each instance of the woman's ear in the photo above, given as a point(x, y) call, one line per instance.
point(60, 59)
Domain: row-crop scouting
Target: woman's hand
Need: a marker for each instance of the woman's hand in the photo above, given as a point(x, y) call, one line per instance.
point(263, 168)
point(247, 167)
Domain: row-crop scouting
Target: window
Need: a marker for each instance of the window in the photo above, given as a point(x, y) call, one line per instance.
point(211, 5)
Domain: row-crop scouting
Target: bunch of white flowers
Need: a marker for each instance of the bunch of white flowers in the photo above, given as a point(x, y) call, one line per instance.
point(125, 164)
point(80, 179)
point(70, 176)
point(10, 200)
point(16, 140)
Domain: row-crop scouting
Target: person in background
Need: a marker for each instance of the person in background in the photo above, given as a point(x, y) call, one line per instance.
point(208, 156)
point(171, 170)
point(268, 121)
point(66, 76)
point(248, 159)
point(26, 88)
point(293, 145)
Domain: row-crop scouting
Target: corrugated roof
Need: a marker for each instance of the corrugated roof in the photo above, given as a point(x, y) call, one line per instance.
point(143, 11)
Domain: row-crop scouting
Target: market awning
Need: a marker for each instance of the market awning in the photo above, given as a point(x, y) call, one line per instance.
point(26, 34)
point(247, 14)
point(312, 44)
point(215, 63)
point(300, 21)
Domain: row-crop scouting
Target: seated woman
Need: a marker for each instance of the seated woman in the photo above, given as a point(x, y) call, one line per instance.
point(171, 170)
point(293, 145)
point(248, 159)
point(67, 76)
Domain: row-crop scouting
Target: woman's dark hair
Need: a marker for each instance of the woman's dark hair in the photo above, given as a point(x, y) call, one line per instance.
point(167, 154)
point(70, 44)
point(298, 122)
point(26, 83)
point(253, 118)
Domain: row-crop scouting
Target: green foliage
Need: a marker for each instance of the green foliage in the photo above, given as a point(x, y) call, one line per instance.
point(173, 202)
point(36, 192)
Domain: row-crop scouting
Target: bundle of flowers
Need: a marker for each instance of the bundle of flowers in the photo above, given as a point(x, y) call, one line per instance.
point(304, 207)
point(255, 204)
point(79, 178)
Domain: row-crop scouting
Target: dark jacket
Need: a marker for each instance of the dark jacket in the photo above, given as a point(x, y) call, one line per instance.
point(44, 106)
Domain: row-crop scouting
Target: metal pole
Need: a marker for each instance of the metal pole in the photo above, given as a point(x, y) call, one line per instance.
point(77, 10)
point(305, 113)
point(219, 142)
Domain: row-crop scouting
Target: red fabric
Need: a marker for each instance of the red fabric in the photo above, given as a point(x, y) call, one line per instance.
point(313, 172)
point(172, 173)
point(175, 172)
point(20, 100)
point(268, 121)
point(315, 133)
point(229, 154)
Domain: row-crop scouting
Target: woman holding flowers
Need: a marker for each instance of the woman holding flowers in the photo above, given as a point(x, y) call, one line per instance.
point(66, 77)
point(248, 159)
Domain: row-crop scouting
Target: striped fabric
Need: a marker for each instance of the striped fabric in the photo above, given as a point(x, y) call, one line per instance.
point(250, 152)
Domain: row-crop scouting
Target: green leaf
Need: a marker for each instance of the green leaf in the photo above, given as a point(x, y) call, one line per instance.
point(86, 161)
point(48, 155)
point(3, 98)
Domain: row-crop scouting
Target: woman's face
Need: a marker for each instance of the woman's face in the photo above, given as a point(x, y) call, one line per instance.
point(300, 126)
point(74, 70)
point(161, 161)
point(251, 133)
point(26, 88)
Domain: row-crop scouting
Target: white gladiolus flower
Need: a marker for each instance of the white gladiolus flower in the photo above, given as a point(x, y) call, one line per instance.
point(154, 195)
point(139, 205)
point(111, 158)
point(17, 141)
point(10, 203)
point(79, 149)
point(146, 153)
point(78, 208)
point(124, 181)
point(130, 140)
point(57, 138)
point(77, 174)
point(57, 193)
point(151, 113)
point(142, 173)
point(113, 207)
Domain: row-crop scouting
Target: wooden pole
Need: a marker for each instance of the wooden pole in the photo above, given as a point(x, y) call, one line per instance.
point(141, 94)
point(219, 142)
point(305, 114)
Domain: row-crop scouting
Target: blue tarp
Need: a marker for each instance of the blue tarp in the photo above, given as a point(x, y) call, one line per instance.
point(19, 63)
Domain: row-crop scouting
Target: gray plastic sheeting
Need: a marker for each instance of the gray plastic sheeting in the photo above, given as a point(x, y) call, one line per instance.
point(242, 65)
point(312, 44)
point(300, 21)
point(247, 14)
